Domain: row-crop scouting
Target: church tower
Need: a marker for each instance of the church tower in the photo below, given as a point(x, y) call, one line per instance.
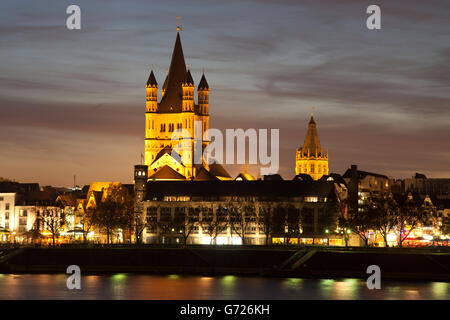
point(310, 158)
point(176, 124)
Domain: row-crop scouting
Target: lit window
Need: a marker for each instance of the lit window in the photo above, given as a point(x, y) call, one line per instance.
point(311, 199)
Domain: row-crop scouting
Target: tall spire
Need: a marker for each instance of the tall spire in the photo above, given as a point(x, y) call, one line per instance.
point(312, 142)
point(172, 100)
point(203, 83)
point(188, 78)
point(151, 79)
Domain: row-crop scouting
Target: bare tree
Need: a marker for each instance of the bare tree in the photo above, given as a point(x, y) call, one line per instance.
point(212, 224)
point(241, 216)
point(165, 222)
point(127, 217)
point(384, 210)
point(293, 223)
point(151, 221)
point(265, 220)
point(359, 222)
point(279, 221)
point(185, 222)
point(109, 212)
point(411, 214)
point(139, 226)
point(87, 221)
point(53, 220)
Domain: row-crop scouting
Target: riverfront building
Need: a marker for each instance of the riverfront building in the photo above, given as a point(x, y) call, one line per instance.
point(267, 211)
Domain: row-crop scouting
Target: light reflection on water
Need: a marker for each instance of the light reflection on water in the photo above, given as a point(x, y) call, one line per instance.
point(128, 286)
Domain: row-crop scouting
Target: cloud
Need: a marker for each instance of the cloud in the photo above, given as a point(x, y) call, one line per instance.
point(382, 98)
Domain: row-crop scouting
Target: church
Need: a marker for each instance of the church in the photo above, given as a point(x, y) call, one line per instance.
point(170, 158)
point(310, 158)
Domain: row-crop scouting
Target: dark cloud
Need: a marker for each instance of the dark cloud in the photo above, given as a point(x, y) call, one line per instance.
point(108, 118)
point(76, 99)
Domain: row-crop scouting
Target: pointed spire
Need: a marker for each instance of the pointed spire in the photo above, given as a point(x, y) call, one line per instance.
point(172, 100)
point(312, 116)
point(203, 83)
point(312, 142)
point(151, 79)
point(188, 79)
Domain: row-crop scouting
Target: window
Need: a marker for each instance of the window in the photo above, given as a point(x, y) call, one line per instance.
point(6, 215)
point(166, 214)
point(163, 127)
point(152, 214)
point(312, 168)
point(194, 214)
point(6, 206)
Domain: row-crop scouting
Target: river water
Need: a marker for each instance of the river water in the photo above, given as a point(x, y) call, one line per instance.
point(173, 287)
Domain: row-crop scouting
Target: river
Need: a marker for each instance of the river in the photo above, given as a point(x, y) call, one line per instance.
point(132, 286)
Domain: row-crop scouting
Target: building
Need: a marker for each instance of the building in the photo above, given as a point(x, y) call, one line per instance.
point(239, 211)
point(7, 217)
point(176, 125)
point(310, 158)
point(362, 184)
point(30, 213)
point(427, 186)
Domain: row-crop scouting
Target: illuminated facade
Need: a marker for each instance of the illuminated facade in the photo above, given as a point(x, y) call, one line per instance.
point(310, 158)
point(237, 212)
point(177, 111)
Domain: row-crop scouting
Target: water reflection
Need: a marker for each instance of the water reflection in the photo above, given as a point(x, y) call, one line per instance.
point(128, 286)
point(440, 290)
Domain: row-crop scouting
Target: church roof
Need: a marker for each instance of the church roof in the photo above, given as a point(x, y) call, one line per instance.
point(152, 80)
point(165, 83)
point(168, 149)
point(167, 173)
point(172, 100)
point(218, 171)
point(188, 78)
point(203, 83)
point(266, 190)
point(312, 142)
point(204, 175)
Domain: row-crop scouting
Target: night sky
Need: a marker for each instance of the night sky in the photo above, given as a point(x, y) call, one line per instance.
point(73, 102)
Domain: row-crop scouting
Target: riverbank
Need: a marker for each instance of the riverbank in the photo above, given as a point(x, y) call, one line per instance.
point(306, 262)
